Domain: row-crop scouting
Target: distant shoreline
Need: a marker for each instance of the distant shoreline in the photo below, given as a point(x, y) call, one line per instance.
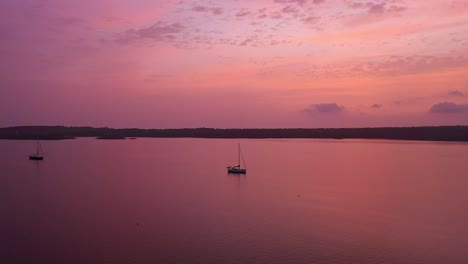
point(440, 133)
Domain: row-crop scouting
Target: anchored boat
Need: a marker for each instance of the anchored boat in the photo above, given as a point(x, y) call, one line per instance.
point(39, 155)
point(238, 169)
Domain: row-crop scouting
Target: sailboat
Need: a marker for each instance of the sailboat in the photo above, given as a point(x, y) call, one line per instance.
point(237, 169)
point(39, 155)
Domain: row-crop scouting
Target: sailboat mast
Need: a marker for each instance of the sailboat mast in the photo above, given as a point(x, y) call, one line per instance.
point(40, 148)
point(238, 144)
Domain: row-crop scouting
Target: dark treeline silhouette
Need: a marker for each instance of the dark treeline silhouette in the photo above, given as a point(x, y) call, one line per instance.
point(443, 133)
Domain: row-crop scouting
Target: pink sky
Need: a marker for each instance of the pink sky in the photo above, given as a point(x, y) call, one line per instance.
point(257, 63)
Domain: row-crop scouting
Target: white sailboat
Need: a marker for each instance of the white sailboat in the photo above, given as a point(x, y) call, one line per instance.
point(39, 155)
point(238, 169)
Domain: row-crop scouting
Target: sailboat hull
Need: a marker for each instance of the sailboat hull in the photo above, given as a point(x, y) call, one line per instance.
point(35, 158)
point(38, 155)
point(237, 170)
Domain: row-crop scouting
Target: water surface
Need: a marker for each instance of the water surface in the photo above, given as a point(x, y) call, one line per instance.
point(171, 201)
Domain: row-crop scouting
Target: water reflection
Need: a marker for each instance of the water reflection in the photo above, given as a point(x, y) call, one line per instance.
point(169, 201)
point(38, 166)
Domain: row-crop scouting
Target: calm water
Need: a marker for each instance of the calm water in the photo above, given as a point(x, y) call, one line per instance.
point(171, 201)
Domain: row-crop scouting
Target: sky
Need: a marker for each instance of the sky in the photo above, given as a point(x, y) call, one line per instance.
point(234, 63)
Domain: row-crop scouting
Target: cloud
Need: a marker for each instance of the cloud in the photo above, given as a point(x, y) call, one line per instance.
point(448, 108)
point(242, 13)
point(456, 93)
point(158, 32)
point(310, 19)
point(249, 41)
point(276, 15)
point(377, 8)
point(200, 9)
point(405, 65)
point(299, 2)
point(213, 10)
point(326, 108)
point(217, 10)
point(289, 9)
point(376, 106)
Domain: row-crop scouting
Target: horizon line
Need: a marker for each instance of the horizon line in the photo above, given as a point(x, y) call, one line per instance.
point(106, 127)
